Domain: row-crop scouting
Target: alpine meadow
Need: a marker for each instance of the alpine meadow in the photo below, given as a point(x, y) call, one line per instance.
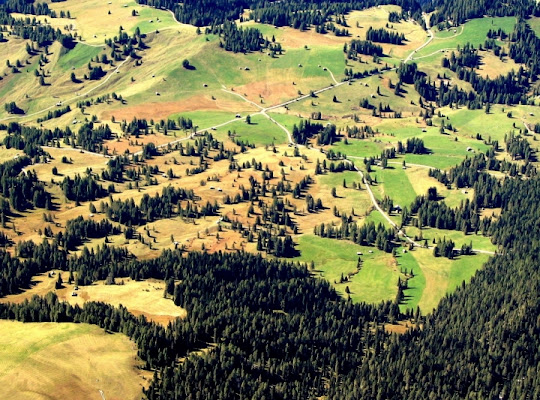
point(245, 199)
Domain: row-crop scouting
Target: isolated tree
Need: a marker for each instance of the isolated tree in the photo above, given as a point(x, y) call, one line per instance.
point(59, 282)
point(186, 64)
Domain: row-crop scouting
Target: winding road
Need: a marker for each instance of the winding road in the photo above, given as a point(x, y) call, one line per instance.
point(430, 39)
point(263, 111)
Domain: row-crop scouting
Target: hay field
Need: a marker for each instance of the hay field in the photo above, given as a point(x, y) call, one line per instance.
point(65, 360)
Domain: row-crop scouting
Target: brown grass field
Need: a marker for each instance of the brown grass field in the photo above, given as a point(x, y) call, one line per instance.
point(64, 360)
point(200, 233)
point(139, 297)
point(159, 110)
point(492, 66)
point(94, 23)
point(377, 17)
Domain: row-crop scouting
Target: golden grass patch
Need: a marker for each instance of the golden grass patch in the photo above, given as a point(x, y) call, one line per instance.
point(66, 360)
point(492, 66)
point(139, 297)
point(160, 110)
point(78, 163)
point(377, 17)
point(96, 21)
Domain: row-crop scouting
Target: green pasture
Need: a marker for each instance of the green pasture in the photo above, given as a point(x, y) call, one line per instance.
point(473, 31)
point(377, 279)
point(479, 242)
point(77, 57)
point(394, 183)
point(261, 131)
point(443, 275)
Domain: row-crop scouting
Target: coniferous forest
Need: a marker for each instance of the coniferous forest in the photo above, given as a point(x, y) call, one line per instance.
point(262, 324)
point(273, 314)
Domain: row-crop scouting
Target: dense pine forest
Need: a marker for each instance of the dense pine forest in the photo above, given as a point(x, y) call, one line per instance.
point(297, 14)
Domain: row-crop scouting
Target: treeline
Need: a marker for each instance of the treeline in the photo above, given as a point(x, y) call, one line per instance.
point(505, 89)
point(239, 40)
point(258, 311)
point(367, 234)
point(395, 16)
point(410, 74)
point(494, 317)
point(82, 188)
point(459, 11)
point(467, 56)
point(22, 189)
point(525, 48)
point(27, 7)
point(31, 29)
point(365, 47)
point(333, 167)
point(298, 14)
point(306, 129)
point(80, 229)
point(384, 36)
point(276, 245)
point(331, 27)
point(413, 146)
point(54, 114)
point(303, 15)
point(436, 214)
point(30, 139)
point(160, 206)
point(511, 88)
point(152, 339)
point(471, 173)
point(361, 132)
point(91, 137)
point(202, 13)
point(444, 248)
point(519, 148)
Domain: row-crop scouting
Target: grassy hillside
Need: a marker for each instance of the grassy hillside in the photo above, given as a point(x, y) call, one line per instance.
point(61, 360)
point(218, 93)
